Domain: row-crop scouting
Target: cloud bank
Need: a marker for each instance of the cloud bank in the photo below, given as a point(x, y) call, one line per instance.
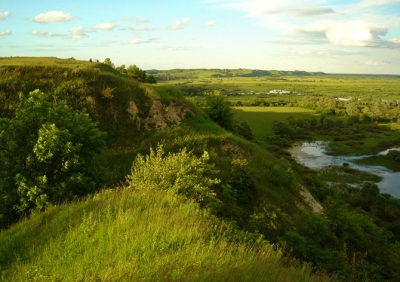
point(4, 15)
point(105, 26)
point(5, 33)
point(45, 34)
point(179, 24)
point(77, 33)
point(356, 33)
point(53, 16)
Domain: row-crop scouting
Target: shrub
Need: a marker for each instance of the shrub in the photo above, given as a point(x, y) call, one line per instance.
point(220, 111)
point(181, 172)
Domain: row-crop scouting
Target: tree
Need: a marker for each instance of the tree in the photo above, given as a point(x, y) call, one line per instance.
point(151, 79)
point(369, 192)
point(244, 130)
point(121, 69)
point(137, 73)
point(108, 62)
point(47, 153)
point(220, 111)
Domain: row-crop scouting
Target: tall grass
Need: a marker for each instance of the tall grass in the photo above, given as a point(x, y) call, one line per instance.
point(128, 235)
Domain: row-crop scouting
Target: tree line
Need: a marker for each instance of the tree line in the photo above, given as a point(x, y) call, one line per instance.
point(132, 70)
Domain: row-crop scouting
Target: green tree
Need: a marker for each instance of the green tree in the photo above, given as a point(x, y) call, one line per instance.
point(47, 153)
point(369, 192)
point(244, 130)
point(284, 130)
point(220, 110)
point(121, 69)
point(151, 79)
point(136, 72)
point(108, 62)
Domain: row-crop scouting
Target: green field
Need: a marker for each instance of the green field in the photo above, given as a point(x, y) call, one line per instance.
point(243, 82)
point(260, 118)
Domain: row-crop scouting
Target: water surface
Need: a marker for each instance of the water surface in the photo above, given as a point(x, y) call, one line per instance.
point(313, 155)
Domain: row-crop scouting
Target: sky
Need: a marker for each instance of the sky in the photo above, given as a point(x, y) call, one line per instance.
point(332, 36)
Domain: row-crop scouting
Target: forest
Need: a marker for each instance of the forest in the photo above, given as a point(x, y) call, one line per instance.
point(121, 174)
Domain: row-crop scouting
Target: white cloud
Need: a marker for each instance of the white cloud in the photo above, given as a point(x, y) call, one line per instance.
point(211, 23)
point(143, 28)
point(356, 33)
point(374, 3)
point(53, 16)
point(4, 15)
point(311, 11)
point(45, 34)
point(137, 20)
point(77, 32)
point(179, 24)
point(5, 33)
point(394, 40)
point(371, 63)
point(140, 41)
point(311, 34)
point(105, 26)
point(174, 48)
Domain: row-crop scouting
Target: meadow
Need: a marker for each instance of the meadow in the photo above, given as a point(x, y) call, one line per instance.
point(260, 118)
point(244, 82)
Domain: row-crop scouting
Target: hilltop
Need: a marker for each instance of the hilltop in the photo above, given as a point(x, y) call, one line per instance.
point(226, 73)
point(239, 195)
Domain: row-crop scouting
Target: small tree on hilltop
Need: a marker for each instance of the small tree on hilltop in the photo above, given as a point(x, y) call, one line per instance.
point(137, 73)
point(108, 62)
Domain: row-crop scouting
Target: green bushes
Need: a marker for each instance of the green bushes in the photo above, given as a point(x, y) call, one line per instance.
point(219, 110)
point(181, 172)
point(48, 155)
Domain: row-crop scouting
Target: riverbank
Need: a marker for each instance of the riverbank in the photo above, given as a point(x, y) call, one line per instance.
point(345, 169)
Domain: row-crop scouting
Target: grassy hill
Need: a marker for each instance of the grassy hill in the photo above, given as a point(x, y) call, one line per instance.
point(125, 235)
point(260, 197)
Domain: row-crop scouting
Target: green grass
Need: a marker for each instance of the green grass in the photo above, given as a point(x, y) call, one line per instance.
point(43, 61)
point(260, 118)
point(346, 175)
point(341, 85)
point(127, 235)
point(362, 139)
point(382, 161)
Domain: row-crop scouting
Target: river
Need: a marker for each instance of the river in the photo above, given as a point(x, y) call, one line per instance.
point(313, 155)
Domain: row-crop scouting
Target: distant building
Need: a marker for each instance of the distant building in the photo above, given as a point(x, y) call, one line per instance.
point(278, 91)
point(343, 99)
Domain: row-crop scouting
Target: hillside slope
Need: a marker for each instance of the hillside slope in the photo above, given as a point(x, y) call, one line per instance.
point(126, 235)
point(258, 191)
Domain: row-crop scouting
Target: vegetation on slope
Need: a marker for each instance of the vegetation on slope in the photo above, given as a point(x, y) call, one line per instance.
point(255, 190)
point(146, 235)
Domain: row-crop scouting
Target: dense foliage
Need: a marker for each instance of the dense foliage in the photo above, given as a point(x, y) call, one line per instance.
point(48, 155)
point(182, 172)
point(219, 110)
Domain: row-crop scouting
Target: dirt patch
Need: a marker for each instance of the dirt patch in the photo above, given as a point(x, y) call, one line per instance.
point(161, 116)
point(231, 148)
point(310, 200)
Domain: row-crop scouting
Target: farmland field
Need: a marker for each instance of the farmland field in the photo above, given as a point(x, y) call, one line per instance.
point(260, 118)
point(243, 82)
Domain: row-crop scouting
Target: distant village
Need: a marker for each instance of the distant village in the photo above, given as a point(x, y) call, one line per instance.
point(272, 92)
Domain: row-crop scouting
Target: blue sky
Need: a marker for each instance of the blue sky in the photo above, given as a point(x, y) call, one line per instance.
point(332, 36)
